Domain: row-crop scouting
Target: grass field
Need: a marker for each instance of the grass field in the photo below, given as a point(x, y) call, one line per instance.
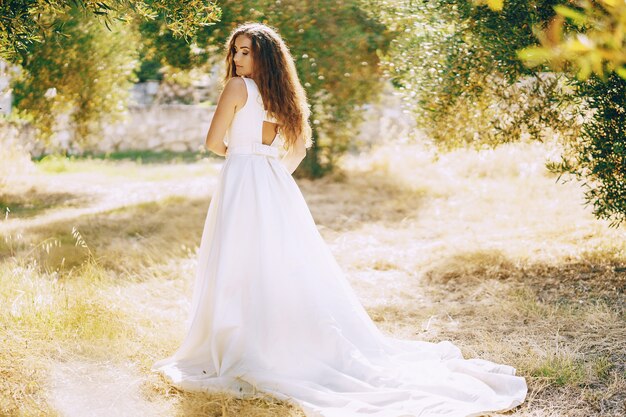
point(482, 248)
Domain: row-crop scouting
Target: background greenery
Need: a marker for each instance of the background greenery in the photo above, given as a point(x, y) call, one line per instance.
point(478, 75)
point(473, 73)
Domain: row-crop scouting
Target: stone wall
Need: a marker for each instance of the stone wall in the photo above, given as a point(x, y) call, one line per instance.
point(183, 127)
point(174, 127)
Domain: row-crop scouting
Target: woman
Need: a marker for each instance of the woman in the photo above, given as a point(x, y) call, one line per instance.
point(271, 308)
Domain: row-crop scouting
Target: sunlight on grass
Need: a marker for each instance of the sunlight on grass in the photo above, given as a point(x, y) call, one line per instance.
point(479, 247)
point(127, 168)
point(46, 318)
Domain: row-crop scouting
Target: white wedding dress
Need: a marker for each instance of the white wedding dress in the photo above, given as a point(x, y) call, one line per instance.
point(273, 312)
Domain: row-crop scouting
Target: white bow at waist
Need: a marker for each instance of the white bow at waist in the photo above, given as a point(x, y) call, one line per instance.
point(253, 149)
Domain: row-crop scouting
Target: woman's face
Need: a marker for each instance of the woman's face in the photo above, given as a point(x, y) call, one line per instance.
point(242, 56)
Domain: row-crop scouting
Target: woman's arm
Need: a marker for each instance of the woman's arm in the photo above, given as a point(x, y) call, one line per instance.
point(294, 156)
point(234, 96)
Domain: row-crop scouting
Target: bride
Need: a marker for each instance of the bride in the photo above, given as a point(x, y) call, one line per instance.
point(271, 310)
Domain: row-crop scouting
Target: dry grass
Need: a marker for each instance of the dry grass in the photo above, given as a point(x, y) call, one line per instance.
point(480, 248)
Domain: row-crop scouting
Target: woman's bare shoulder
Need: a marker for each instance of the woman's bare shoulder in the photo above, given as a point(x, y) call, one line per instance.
point(236, 85)
point(235, 90)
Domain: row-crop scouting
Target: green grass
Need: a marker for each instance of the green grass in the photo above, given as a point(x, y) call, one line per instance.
point(561, 370)
point(149, 166)
point(62, 163)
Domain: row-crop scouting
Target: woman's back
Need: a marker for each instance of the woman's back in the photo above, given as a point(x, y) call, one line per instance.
point(248, 123)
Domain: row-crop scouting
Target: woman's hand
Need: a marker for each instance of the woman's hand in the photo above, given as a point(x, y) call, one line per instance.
point(294, 156)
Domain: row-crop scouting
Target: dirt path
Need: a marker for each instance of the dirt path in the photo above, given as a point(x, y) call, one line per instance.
point(88, 193)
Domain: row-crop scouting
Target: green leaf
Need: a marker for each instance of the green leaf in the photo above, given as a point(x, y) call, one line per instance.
point(576, 16)
point(621, 71)
point(585, 70)
point(534, 55)
point(495, 5)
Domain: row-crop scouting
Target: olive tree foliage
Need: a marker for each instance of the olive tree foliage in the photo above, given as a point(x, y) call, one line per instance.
point(79, 58)
point(584, 37)
point(598, 156)
point(85, 72)
point(587, 40)
point(456, 68)
point(485, 72)
point(25, 22)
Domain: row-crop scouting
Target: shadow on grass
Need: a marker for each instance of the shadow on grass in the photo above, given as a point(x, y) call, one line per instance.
point(138, 236)
point(344, 203)
point(594, 275)
point(126, 239)
point(561, 324)
point(33, 202)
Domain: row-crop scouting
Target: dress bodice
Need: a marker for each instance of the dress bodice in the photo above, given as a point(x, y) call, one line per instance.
point(246, 127)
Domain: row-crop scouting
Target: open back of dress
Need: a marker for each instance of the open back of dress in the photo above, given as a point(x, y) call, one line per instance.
point(272, 310)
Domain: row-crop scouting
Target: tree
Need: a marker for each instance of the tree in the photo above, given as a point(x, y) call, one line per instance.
point(594, 41)
point(456, 68)
point(586, 40)
point(25, 22)
point(336, 46)
point(598, 156)
point(592, 47)
point(86, 71)
point(80, 56)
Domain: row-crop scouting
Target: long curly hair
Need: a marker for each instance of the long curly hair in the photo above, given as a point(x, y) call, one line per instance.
point(275, 73)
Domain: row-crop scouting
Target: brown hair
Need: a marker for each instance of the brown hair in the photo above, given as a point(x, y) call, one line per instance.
point(275, 73)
